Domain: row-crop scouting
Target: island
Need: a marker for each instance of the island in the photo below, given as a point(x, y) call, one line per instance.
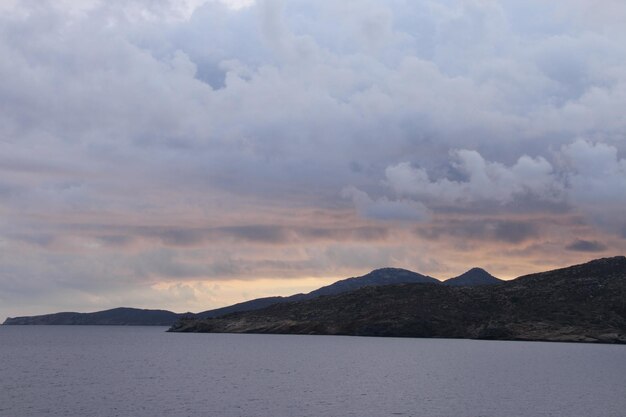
point(581, 303)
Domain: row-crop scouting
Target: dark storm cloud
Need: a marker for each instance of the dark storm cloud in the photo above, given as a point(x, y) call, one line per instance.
point(514, 232)
point(581, 245)
point(508, 231)
point(255, 233)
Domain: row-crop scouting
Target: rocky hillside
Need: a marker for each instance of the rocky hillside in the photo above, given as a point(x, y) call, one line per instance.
point(582, 303)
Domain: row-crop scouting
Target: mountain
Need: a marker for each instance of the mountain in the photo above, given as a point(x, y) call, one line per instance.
point(582, 303)
point(132, 316)
point(473, 277)
point(378, 277)
point(118, 316)
point(382, 276)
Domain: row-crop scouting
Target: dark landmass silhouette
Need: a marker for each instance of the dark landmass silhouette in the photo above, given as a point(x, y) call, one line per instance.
point(472, 278)
point(122, 316)
point(132, 316)
point(581, 303)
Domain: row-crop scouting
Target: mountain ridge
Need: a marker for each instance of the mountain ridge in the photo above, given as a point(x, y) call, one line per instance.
point(581, 303)
point(380, 276)
point(126, 316)
point(122, 315)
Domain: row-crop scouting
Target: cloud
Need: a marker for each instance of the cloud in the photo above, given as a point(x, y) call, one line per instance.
point(581, 245)
point(385, 209)
point(481, 180)
point(490, 230)
point(597, 182)
point(469, 183)
point(116, 236)
point(587, 177)
point(139, 126)
point(596, 174)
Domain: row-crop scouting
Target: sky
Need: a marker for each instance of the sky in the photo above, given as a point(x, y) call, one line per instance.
point(187, 155)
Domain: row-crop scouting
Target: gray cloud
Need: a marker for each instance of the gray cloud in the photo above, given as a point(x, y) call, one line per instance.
point(139, 126)
point(588, 176)
point(112, 235)
point(581, 245)
point(385, 209)
point(498, 230)
point(481, 180)
point(514, 232)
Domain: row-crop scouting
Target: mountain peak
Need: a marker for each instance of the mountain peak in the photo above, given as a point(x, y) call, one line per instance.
point(389, 271)
point(381, 276)
point(474, 277)
point(377, 277)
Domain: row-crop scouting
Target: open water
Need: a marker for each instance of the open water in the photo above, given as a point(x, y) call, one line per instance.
point(85, 371)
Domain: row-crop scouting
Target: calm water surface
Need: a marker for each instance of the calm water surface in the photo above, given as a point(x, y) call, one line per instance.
point(86, 371)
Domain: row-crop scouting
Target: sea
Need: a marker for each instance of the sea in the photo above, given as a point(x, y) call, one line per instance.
point(106, 371)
